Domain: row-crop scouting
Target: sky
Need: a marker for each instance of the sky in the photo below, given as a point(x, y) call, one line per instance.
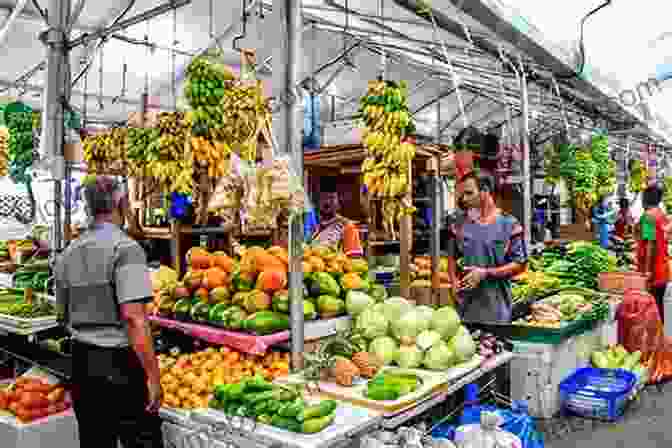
point(625, 41)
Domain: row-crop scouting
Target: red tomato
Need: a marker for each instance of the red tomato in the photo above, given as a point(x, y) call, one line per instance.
point(33, 400)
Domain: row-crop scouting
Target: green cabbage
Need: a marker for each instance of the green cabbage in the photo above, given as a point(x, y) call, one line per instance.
point(385, 348)
point(408, 327)
point(439, 357)
point(427, 339)
point(446, 321)
point(395, 307)
point(409, 357)
point(356, 302)
point(462, 344)
point(371, 323)
point(378, 292)
point(426, 312)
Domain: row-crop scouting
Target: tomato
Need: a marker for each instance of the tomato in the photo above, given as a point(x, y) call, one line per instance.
point(33, 400)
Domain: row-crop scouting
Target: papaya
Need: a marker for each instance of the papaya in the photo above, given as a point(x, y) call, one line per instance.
point(265, 261)
point(199, 258)
point(222, 261)
point(214, 278)
point(352, 281)
point(272, 280)
point(307, 267)
point(317, 264)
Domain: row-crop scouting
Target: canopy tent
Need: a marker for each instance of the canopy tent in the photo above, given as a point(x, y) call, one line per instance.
point(473, 84)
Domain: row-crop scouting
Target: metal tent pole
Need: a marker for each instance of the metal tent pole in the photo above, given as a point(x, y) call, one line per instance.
point(55, 39)
point(436, 211)
point(286, 74)
point(525, 142)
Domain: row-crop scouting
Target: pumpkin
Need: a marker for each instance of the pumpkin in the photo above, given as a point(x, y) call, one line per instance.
point(272, 280)
point(222, 261)
point(214, 278)
point(199, 258)
point(317, 263)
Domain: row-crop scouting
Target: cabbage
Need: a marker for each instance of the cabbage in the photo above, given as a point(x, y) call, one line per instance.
point(446, 321)
point(426, 312)
point(439, 357)
point(371, 323)
point(427, 339)
point(395, 307)
point(378, 292)
point(356, 302)
point(462, 345)
point(385, 348)
point(408, 327)
point(409, 357)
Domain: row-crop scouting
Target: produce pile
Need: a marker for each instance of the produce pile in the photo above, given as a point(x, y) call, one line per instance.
point(4, 151)
point(31, 398)
point(33, 275)
point(283, 407)
point(12, 303)
point(576, 264)
point(617, 357)
point(638, 179)
point(421, 272)
point(667, 194)
point(4, 250)
point(188, 379)
point(387, 123)
point(388, 386)
point(567, 306)
point(21, 145)
point(107, 151)
point(250, 294)
point(531, 285)
point(413, 336)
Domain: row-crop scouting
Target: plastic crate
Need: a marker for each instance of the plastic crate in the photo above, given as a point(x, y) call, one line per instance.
point(600, 394)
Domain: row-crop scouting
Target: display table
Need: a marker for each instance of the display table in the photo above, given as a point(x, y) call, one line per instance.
point(56, 431)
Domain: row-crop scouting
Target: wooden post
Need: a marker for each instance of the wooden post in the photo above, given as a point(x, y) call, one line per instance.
point(406, 242)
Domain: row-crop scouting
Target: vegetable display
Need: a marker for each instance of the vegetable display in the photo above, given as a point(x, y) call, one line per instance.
point(568, 305)
point(283, 407)
point(188, 379)
point(4, 151)
point(387, 122)
point(530, 285)
point(576, 264)
point(391, 386)
point(31, 398)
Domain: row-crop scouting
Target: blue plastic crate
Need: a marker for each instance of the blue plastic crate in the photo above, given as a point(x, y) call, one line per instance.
point(597, 393)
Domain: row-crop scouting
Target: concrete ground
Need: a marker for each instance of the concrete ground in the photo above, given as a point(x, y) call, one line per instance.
point(645, 425)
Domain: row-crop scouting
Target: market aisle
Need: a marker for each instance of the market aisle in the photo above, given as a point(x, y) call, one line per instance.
point(644, 426)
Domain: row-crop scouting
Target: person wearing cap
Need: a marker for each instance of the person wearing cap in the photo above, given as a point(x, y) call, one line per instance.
point(102, 286)
point(332, 228)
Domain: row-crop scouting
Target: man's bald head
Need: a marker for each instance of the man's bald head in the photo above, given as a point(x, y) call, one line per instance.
point(103, 195)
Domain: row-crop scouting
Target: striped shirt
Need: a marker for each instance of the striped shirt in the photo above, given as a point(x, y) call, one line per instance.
point(97, 273)
point(339, 231)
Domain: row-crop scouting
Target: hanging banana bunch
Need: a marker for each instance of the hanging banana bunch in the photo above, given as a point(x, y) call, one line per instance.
point(585, 191)
point(386, 168)
point(605, 176)
point(639, 177)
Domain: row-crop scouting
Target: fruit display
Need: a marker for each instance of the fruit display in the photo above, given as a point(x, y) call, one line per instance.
point(387, 123)
point(137, 145)
point(398, 332)
point(250, 293)
point(106, 151)
point(530, 285)
point(21, 145)
point(605, 176)
point(189, 379)
point(4, 151)
point(638, 179)
point(213, 156)
point(421, 271)
point(246, 111)
point(32, 398)
point(283, 407)
point(576, 264)
point(617, 357)
point(204, 89)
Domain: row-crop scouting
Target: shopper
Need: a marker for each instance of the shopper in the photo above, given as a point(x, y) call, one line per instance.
point(102, 286)
point(602, 218)
point(625, 222)
point(652, 255)
point(334, 229)
point(493, 249)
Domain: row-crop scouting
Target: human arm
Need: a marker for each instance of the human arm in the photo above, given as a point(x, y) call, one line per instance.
point(648, 236)
point(134, 290)
point(449, 250)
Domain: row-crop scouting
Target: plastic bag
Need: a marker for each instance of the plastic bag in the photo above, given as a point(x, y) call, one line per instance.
point(487, 434)
point(640, 328)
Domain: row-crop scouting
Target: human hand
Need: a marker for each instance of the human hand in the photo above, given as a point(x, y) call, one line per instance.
point(474, 276)
point(155, 395)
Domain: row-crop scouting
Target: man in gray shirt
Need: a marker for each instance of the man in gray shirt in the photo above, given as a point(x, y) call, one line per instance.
point(102, 286)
